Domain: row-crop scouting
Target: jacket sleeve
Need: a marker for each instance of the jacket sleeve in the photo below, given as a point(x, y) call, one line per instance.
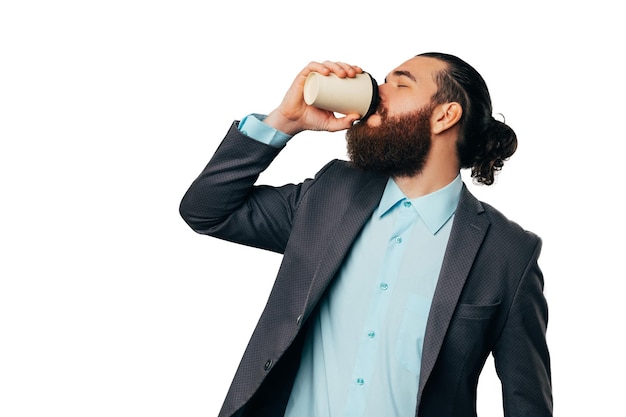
point(521, 354)
point(224, 202)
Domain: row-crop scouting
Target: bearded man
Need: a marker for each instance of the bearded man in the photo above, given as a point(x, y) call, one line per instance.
point(396, 283)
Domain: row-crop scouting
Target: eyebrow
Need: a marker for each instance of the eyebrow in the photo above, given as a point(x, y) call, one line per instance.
point(400, 73)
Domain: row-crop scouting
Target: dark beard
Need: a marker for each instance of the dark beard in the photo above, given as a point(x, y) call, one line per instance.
point(398, 147)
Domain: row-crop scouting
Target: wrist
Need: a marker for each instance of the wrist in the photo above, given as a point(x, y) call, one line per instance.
point(283, 124)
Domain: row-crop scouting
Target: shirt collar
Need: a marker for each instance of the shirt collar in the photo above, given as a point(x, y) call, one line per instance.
point(435, 208)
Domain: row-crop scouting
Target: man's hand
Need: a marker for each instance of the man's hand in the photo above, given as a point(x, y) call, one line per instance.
point(293, 115)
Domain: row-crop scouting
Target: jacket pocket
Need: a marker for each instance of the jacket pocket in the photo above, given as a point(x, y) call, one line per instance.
point(476, 311)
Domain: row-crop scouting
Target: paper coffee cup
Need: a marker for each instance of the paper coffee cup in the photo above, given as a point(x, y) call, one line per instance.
point(342, 95)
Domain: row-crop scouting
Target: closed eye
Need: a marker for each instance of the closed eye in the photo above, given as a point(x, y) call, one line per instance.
point(400, 76)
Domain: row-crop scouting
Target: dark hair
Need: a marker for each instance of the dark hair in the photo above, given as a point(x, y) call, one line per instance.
point(484, 143)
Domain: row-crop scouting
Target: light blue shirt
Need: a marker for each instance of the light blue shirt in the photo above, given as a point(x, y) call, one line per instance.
point(362, 354)
point(252, 125)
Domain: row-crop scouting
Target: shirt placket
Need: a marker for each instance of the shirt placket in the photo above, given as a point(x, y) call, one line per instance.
point(404, 216)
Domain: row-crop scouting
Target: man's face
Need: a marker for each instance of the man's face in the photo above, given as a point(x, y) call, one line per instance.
point(396, 139)
point(407, 88)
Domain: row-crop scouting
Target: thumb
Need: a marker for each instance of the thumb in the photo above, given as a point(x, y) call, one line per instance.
point(341, 123)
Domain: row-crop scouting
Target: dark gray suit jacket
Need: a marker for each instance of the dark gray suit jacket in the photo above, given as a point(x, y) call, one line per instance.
point(488, 299)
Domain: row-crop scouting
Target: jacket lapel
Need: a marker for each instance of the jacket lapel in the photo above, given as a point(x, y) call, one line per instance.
point(353, 220)
point(466, 236)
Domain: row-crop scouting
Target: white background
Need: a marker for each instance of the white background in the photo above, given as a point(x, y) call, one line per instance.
point(111, 306)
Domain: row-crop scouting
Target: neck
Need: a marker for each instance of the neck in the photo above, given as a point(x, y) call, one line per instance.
point(441, 169)
point(420, 185)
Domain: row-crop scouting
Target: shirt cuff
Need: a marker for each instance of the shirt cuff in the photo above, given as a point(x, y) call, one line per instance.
point(252, 126)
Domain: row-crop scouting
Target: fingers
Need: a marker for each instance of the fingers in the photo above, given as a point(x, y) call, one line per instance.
point(341, 69)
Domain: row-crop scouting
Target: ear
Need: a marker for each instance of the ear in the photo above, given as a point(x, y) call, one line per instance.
point(445, 116)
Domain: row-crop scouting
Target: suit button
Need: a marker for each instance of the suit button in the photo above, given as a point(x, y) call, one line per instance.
point(299, 320)
point(267, 365)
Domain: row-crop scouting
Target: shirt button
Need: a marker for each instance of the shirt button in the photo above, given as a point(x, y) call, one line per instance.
point(398, 240)
point(360, 381)
point(384, 286)
point(371, 334)
point(407, 204)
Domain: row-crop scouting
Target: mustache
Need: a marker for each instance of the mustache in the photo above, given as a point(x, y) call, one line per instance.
point(381, 111)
